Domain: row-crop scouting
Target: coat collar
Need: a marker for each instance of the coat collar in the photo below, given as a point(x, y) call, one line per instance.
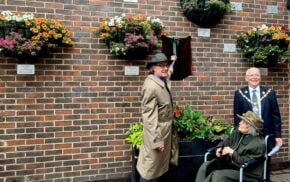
point(246, 92)
point(157, 80)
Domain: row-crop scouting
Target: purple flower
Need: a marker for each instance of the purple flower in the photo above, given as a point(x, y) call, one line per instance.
point(14, 43)
point(133, 41)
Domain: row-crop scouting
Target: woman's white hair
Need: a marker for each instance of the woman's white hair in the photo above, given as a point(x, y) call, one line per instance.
point(253, 131)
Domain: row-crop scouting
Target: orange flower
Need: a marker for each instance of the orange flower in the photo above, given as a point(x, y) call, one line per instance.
point(177, 112)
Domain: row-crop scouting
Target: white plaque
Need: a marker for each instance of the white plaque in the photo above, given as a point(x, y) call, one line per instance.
point(131, 1)
point(264, 71)
point(230, 48)
point(272, 9)
point(131, 70)
point(203, 32)
point(237, 6)
point(25, 69)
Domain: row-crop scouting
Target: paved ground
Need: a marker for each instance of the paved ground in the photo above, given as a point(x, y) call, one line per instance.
point(281, 175)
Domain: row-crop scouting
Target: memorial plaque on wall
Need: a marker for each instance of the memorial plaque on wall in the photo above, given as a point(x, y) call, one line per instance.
point(230, 48)
point(272, 9)
point(130, 1)
point(237, 6)
point(203, 32)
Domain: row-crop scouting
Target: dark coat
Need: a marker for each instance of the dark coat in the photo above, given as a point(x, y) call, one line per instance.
point(269, 109)
point(245, 147)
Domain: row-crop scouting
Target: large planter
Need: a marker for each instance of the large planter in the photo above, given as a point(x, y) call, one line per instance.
point(135, 176)
point(191, 156)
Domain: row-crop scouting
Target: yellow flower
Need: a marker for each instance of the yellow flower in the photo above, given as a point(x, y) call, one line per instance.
point(44, 27)
point(104, 35)
point(35, 30)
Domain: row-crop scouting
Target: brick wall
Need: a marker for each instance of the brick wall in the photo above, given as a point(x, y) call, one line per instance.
point(67, 122)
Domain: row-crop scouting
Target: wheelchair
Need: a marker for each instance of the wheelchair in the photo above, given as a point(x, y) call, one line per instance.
point(251, 163)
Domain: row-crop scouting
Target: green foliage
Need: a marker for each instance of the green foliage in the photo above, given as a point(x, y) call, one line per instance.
point(217, 5)
point(191, 125)
point(134, 135)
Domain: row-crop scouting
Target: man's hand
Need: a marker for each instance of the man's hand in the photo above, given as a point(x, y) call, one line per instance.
point(279, 142)
point(161, 148)
point(173, 58)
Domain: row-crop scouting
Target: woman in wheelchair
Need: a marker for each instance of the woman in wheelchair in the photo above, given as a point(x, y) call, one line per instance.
point(245, 143)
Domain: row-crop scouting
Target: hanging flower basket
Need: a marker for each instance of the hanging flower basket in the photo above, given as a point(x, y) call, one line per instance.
point(14, 22)
point(131, 37)
point(205, 13)
point(23, 36)
point(265, 45)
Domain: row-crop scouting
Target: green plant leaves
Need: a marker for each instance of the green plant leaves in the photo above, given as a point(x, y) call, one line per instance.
point(134, 135)
point(191, 125)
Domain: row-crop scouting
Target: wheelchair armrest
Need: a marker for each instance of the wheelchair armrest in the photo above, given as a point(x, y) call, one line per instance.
point(252, 163)
point(211, 150)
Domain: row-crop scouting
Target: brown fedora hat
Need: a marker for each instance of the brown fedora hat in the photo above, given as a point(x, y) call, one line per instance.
point(253, 119)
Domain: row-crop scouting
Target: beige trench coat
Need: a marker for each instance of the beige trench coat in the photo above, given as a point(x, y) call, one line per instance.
point(157, 115)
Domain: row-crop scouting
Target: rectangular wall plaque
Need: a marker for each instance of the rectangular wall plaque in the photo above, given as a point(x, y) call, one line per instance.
point(131, 1)
point(272, 9)
point(264, 71)
point(203, 32)
point(230, 48)
point(25, 69)
point(237, 6)
point(131, 70)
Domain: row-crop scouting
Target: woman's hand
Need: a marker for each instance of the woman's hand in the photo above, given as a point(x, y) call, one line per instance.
point(218, 152)
point(228, 150)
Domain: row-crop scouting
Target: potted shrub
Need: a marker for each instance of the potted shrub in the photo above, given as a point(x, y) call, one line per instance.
point(134, 137)
point(265, 45)
point(131, 37)
point(191, 125)
point(205, 13)
point(196, 135)
point(23, 35)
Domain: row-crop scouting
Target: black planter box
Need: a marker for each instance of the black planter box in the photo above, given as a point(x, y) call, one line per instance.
point(191, 156)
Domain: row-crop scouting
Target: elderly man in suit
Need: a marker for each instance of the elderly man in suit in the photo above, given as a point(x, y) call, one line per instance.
point(263, 102)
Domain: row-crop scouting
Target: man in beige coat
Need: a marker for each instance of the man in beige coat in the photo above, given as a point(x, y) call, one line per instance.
point(159, 146)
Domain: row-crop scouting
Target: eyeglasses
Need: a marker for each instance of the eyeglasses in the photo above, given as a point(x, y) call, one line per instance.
point(253, 75)
point(162, 65)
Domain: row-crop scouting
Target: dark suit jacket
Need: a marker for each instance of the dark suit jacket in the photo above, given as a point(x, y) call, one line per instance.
point(269, 110)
